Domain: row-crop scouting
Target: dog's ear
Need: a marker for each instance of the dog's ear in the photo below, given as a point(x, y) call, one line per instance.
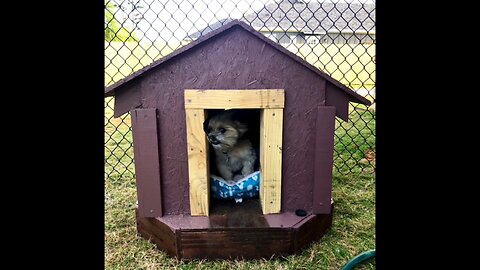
point(241, 127)
point(205, 125)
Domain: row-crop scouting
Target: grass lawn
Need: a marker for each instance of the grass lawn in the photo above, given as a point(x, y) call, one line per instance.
point(352, 232)
point(354, 150)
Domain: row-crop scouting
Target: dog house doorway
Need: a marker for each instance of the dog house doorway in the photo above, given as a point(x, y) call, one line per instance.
point(241, 191)
point(270, 102)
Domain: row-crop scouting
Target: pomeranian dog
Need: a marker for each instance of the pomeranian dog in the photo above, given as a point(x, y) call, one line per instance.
point(235, 157)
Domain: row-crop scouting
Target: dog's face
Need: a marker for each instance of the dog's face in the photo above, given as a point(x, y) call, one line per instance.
point(223, 131)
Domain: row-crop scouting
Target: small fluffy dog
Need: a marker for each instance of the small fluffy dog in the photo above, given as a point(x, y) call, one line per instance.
point(234, 155)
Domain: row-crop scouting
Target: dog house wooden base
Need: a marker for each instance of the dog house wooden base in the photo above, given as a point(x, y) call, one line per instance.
point(233, 235)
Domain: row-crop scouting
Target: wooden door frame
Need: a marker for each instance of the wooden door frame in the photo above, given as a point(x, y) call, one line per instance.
point(271, 102)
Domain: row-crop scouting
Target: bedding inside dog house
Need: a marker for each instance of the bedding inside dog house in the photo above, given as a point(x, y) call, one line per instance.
point(232, 67)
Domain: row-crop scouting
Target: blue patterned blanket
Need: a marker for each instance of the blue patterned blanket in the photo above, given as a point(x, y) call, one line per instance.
point(246, 187)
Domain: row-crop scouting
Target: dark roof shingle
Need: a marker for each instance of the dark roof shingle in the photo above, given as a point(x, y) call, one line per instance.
point(315, 16)
point(307, 17)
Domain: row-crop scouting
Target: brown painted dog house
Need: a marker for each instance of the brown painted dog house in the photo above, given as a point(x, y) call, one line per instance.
point(235, 59)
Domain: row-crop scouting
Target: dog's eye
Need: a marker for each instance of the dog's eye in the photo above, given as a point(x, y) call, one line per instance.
point(222, 130)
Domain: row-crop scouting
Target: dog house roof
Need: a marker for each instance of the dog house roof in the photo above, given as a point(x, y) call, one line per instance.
point(353, 97)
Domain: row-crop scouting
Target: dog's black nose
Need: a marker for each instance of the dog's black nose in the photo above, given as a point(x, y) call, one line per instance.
point(213, 140)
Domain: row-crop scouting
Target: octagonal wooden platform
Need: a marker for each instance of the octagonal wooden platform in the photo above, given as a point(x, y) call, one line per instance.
point(233, 231)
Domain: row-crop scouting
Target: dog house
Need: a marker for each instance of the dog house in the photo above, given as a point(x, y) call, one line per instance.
point(233, 67)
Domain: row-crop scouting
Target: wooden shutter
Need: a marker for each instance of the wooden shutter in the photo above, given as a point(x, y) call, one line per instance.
point(147, 162)
point(322, 187)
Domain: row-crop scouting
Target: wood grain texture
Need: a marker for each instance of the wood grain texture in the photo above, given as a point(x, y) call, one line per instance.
point(225, 59)
point(251, 243)
point(200, 242)
point(198, 168)
point(234, 99)
point(147, 162)
point(235, 60)
point(271, 124)
point(234, 57)
point(323, 166)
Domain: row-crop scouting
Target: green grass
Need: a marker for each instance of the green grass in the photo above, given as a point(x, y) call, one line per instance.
point(354, 149)
point(352, 232)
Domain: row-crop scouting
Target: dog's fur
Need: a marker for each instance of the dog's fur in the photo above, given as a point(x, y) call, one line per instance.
point(234, 155)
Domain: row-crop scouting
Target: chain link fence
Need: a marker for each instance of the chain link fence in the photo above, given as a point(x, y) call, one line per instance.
point(336, 36)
